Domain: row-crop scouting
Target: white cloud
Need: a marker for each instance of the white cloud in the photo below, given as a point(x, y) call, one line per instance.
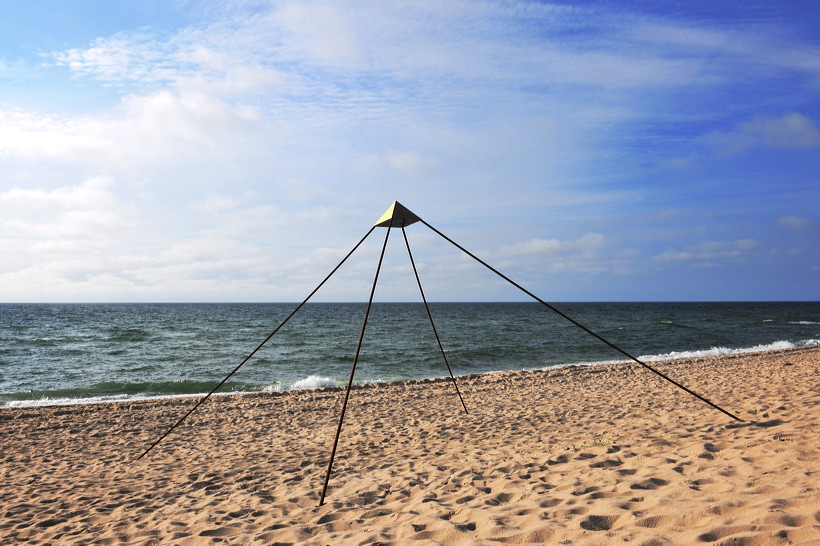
point(127, 56)
point(588, 245)
point(429, 46)
point(160, 126)
point(405, 162)
point(763, 50)
point(35, 136)
point(587, 254)
point(323, 30)
point(794, 222)
point(221, 60)
point(710, 251)
point(167, 123)
point(94, 192)
point(66, 217)
point(53, 236)
point(302, 191)
point(791, 130)
point(85, 242)
point(215, 203)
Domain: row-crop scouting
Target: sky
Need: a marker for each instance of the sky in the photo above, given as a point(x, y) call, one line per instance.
point(210, 151)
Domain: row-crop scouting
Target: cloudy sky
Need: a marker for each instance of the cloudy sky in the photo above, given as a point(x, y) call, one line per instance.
point(237, 150)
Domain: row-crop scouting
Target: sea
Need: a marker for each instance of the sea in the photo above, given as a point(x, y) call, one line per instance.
point(54, 354)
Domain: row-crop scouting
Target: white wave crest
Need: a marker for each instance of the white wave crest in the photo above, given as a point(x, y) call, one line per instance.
point(719, 351)
point(714, 351)
point(312, 382)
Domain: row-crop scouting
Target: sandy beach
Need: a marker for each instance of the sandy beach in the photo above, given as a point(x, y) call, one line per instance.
point(576, 455)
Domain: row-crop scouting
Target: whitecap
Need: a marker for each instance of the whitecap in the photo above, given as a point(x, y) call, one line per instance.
point(312, 382)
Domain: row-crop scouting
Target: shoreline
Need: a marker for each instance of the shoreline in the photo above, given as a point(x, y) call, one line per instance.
point(652, 360)
point(581, 454)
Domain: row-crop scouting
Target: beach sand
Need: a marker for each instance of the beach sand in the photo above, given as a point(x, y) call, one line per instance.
point(576, 455)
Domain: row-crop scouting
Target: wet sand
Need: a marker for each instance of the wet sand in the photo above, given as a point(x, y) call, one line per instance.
point(577, 455)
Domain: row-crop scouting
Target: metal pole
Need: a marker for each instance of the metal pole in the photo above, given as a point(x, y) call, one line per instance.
point(581, 326)
point(353, 369)
point(199, 403)
point(430, 316)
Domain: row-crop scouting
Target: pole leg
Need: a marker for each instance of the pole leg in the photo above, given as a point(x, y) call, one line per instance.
point(433, 324)
point(353, 371)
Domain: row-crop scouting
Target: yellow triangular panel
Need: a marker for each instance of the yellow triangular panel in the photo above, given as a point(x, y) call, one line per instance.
point(400, 214)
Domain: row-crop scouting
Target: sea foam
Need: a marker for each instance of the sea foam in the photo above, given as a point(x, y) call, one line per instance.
point(720, 351)
point(310, 382)
point(701, 353)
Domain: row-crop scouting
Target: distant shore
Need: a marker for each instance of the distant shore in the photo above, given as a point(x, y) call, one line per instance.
point(586, 454)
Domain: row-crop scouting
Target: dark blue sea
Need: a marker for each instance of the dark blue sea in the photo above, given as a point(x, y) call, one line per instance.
point(72, 353)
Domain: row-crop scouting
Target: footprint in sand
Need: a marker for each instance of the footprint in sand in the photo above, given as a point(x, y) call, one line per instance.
point(607, 463)
point(590, 489)
point(599, 523)
point(651, 483)
point(561, 459)
point(549, 503)
point(722, 532)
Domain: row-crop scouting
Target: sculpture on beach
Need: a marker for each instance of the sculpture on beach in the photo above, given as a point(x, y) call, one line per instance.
point(398, 216)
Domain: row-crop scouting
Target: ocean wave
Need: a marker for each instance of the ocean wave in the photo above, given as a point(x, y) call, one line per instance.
point(149, 391)
point(702, 353)
point(70, 401)
point(116, 391)
point(310, 382)
point(120, 392)
point(320, 382)
point(720, 351)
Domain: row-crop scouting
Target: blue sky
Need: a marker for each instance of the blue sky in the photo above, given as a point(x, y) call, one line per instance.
point(235, 151)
